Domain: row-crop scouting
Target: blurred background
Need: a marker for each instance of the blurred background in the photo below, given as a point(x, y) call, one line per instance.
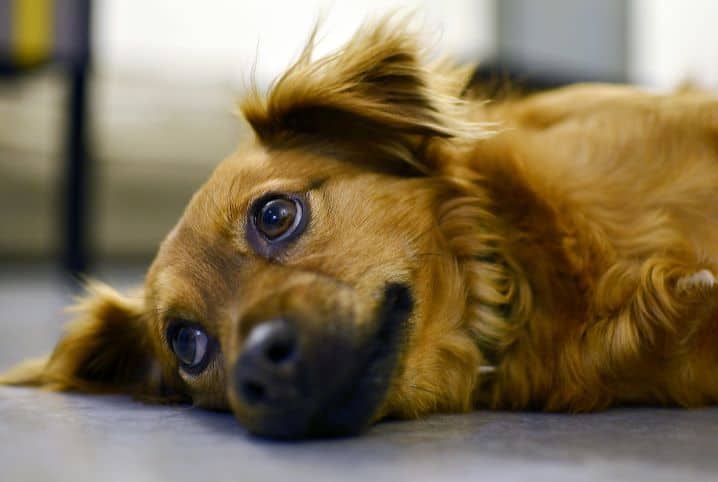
point(113, 112)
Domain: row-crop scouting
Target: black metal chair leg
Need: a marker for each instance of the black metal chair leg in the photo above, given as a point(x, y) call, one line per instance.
point(76, 185)
point(74, 221)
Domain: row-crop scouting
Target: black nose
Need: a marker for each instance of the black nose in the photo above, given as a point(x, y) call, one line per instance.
point(266, 373)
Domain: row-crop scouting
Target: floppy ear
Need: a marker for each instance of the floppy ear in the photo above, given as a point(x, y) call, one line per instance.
point(106, 349)
point(373, 97)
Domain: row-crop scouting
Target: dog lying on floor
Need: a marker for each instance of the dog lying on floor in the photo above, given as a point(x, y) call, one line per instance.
point(389, 245)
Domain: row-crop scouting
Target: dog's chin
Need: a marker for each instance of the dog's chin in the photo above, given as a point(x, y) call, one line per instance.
point(348, 413)
point(353, 406)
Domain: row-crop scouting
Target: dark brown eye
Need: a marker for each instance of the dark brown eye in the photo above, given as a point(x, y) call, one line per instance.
point(277, 218)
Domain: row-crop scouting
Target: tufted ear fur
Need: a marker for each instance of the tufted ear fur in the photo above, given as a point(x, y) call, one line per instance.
point(106, 349)
point(374, 98)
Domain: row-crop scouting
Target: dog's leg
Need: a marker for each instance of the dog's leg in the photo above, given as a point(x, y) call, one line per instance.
point(649, 343)
point(700, 281)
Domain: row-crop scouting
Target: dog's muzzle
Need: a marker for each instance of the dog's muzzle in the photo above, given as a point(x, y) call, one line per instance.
point(298, 378)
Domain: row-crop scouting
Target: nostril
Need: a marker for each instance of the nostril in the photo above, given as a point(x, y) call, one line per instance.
point(253, 392)
point(265, 372)
point(272, 341)
point(279, 350)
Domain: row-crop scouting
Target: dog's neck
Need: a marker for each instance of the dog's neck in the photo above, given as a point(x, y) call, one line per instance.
point(480, 223)
point(512, 261)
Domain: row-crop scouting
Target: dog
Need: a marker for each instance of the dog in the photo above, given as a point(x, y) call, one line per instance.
point(391, 244)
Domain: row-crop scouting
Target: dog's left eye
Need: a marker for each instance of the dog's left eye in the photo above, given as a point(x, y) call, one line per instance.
point(190, 345)
point(277, 217)
point(275, 220)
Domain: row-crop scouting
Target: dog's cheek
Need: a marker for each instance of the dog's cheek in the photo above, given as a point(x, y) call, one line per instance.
point(209, 390)
point(158, 386)
point(436, 377)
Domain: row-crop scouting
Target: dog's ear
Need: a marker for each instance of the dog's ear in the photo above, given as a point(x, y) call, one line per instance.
point(106, 349)
point(374, 98)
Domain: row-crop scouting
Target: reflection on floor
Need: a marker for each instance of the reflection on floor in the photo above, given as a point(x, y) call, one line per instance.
point(61, 437)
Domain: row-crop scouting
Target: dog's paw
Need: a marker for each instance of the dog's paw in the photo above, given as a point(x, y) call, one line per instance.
point(700, 281)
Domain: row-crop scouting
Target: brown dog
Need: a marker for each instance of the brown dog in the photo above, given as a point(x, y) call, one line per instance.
point(388, 247)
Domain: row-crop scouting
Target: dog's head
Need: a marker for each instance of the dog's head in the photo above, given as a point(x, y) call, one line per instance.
point(314, 283)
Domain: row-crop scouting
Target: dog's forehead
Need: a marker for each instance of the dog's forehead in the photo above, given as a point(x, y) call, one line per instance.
point(192, 271)
point(249, 167)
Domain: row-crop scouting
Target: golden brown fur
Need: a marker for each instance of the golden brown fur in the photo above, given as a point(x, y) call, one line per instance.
point(568, 238)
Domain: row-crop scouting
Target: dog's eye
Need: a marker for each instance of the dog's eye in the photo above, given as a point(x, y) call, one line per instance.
point(275, 220)
point(190, 345)
point(278, 217)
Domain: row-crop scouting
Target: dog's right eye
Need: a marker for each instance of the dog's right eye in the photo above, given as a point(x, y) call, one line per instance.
point(191, 345)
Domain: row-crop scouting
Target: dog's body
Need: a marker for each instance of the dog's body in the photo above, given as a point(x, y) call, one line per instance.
point(602, 198)
point(385, 247)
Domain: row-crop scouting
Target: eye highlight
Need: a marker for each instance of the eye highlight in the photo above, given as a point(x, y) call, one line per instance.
point(275, 220)
point(191, 345)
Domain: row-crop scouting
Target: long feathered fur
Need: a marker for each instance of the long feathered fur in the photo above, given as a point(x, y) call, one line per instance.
point(375, 92)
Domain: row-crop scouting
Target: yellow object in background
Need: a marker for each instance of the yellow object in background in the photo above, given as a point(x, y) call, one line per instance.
point(31, 27)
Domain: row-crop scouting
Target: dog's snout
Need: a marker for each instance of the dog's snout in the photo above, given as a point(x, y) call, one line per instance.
point(308, 367)
point(266, 373)
point(287, 372)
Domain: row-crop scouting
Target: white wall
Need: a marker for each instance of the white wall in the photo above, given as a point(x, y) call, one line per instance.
point(674, 41)
point(220, 39)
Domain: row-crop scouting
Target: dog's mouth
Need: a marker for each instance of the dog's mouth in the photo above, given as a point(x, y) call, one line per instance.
point(354, 407)
point(332, 389)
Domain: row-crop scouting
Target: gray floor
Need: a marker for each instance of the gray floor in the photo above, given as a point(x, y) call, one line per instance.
point(47, 436)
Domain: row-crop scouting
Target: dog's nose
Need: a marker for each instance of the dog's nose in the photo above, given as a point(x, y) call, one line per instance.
point(287, 372)
point(266, 373)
